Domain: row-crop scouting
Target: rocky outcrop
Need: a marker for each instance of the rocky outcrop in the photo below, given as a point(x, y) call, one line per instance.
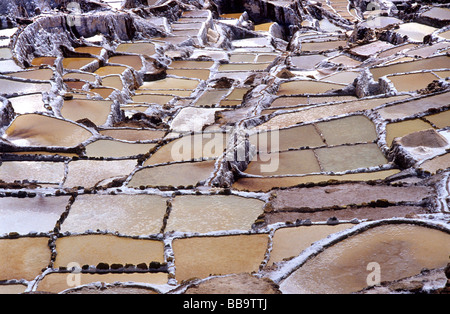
point(6, 112)
point(48, 33)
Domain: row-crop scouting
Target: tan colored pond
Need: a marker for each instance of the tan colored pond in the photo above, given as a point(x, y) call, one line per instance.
point(133, 135)
point(180, 174)
point(76, 63)
point(170, 83)
point(187, 64)
point(9, 87)
point(303, 237)
point(89, 49)
point(31, 214)
point(400, 129)
point(191, 213)
point(57, 282)
point(43, 61)
point(409, 108)
point(141, 48)
point(441, 162)
point(307, 61)
point(267, 184)
point(306, 100)
point(99, 170)
point(110, 70)
point(323, 46)
point(94, 110)
point(152, 98)
point(39, 74)
point(95, 249)
point(205, 145)
point(211, 97)
point(322, 112)
point(440, 62)
point(440, 120)
point(243, 67)
point(116, 149)
point(306, 87)
point(39, 130)
point(37, 171)
point(133, 61)
point(89, 77)
point(342, 268)
point(28, 104)
point(131, 215)
point(113, 81)
point(23, 258)
point(202, 74)
point(342, 158)
point(412, 81)
point(353, 129)
point(291, 162)
point(286, 139)
point(204, 256)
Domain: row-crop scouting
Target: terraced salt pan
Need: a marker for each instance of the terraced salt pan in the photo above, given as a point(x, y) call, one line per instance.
point(440, 120)
point(76, 63)
point(203, 214)
point(183, 121)
point(38, 214)
point(201, 74)
point(203, 256)
point(291, 162)
point(89, 77)
point(111, 70)
point(56, 283)
point(413, 107)
point(39, 75)
point(342, 158)
point(307, 100)
point(32, 171)
point(268, 183)
point(9, 87)
point(133, 135)
point(400, 129)
point(342, 268)
point(23, 258)
point(322, 112)
point(415, 31)
point(94, 110)
point(95, 249)
point(353, 129)
point(38, 130)
point(303, 237)
point(133, 61)
point(412, 82)
point(306, 87)
point(152, 99)
point(116, 149)
point(140, 48)
point(113, 81)
point(132, 215)
point(441, 162)
point(170, 83)
point(439, 62)
point(28, 104)
point(98, 170)
point(179, 174)
point(189, 147)
point(282, 140)
point(43, 61)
